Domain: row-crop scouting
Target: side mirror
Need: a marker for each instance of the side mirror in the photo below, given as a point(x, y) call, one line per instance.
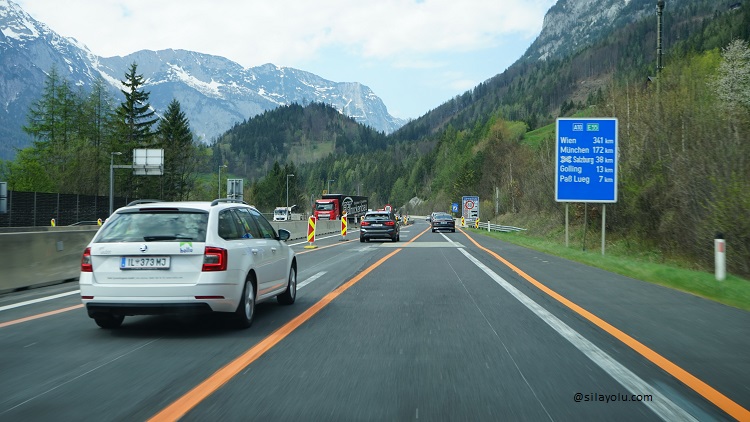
point(284, 235)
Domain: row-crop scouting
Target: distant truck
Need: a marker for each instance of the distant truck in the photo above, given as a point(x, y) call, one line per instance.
point(285, 214)
point(333, 206)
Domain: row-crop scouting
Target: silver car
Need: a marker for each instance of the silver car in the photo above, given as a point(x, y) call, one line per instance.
point(152, 258)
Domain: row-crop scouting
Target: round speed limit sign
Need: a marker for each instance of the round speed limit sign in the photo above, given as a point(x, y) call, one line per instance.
point(469, 205)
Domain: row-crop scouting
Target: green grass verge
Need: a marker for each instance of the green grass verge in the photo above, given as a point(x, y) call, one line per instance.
point(734, 291)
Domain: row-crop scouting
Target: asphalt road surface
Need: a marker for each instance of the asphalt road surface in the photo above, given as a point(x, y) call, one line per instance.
point(438, 326)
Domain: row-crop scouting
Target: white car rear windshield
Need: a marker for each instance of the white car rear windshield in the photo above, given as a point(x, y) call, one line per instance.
point(140, 226)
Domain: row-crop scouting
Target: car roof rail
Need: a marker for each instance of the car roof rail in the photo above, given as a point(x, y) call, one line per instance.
point(143, 201)
point(231, 200)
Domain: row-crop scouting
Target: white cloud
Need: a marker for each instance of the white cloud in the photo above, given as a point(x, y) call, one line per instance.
point(414, 54)
point(285, 32)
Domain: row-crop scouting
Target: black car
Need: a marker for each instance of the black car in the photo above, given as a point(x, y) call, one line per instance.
point(379, 225)
point(443, 222)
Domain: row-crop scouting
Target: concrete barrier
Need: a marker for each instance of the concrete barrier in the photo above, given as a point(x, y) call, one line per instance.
point(39, 256)
point(299, 228)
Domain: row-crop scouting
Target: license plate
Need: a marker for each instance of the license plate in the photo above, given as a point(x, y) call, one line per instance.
point(377, 225)
point(144, 263)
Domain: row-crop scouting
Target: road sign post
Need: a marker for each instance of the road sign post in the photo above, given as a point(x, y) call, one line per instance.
point(720, 257)
point(586, 163)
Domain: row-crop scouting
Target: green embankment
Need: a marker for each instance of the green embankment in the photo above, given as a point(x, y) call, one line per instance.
point(625, 257)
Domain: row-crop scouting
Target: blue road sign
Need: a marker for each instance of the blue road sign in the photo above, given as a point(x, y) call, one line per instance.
point(454, 207)
point(586, 160)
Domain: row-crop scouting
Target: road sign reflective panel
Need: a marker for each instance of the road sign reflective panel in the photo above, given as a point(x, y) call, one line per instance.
point(311, 230)
point(470, 207)
point(586, 160)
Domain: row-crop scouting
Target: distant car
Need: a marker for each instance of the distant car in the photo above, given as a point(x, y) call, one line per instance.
point(379, 225)
point(443, 222)
point(186, 257)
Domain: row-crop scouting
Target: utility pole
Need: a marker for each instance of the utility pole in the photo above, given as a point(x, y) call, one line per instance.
point(287, 194)
point(659, 26)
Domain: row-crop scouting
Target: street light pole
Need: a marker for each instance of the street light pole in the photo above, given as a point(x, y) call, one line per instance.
point(112, 180)
point(220, 167)
point(287, 191)
point(329, 184)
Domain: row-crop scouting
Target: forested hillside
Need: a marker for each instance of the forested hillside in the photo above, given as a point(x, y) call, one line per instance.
point(293, 134)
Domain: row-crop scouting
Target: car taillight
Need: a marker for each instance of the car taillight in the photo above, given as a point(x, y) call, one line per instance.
point(214, 259)
point(390, 223)
point(364, 223)
point(86, 266)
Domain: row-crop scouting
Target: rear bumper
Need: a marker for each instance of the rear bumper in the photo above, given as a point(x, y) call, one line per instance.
point(379, 234)
point(157, 299)
point(128, 309)
point(444, 227)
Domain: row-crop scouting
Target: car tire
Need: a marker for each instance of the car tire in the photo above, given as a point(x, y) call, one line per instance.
point(362, 240)
point(287, 298)
point(453, 231)
point(433, 230)
point(109, 321)
point(246, 309)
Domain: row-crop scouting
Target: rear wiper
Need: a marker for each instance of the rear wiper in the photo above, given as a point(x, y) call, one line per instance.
point(173, 237)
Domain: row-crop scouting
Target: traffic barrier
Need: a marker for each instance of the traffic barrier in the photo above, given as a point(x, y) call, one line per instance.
point(499, 228)
point(40, 256)
point(311, 233)
point(344, 222)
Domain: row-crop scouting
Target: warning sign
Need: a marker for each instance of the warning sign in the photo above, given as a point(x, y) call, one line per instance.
point(470, 208)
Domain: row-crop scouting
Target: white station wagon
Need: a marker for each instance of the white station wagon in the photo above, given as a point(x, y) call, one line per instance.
point(153, 258)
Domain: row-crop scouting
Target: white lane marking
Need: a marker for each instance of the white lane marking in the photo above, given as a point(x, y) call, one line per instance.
point(321, 238)
point(661, 405)
point(41, 299)
point(389, 244)
point(310, 280)
point(80, 376)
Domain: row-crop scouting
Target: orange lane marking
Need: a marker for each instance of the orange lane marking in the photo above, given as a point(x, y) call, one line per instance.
point(33, 317)
point(711, 394)
point(192, 398)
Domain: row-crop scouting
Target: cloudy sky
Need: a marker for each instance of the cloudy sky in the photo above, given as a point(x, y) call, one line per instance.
point(414, 54)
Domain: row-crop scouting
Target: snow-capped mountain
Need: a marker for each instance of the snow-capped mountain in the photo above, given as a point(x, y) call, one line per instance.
point(214, 92)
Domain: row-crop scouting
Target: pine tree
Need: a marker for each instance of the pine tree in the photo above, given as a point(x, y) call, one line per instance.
point(180, 156)
point(135, 117)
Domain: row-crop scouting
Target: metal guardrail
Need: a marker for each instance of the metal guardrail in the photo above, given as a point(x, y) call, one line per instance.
point(496, 227)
